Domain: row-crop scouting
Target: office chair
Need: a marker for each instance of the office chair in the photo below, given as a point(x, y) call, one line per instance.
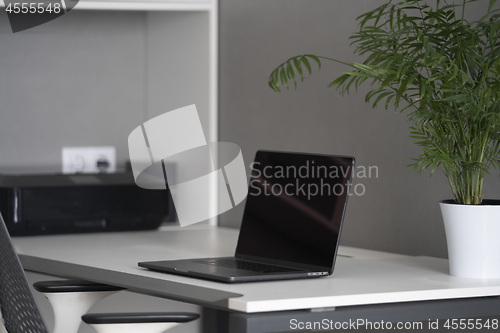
point(19, 312)
point(71, 299)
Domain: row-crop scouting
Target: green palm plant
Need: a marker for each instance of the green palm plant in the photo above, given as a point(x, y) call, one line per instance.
point(440, 68)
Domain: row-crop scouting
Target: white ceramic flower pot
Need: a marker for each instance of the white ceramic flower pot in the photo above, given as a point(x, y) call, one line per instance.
point(473, 237)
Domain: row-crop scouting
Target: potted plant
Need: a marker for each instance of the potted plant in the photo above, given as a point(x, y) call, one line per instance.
point(430, 61)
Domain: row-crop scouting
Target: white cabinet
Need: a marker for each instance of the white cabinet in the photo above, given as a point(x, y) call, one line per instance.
point(182, 41)
point(94, 74)
point(182, 45)
point(91, 76)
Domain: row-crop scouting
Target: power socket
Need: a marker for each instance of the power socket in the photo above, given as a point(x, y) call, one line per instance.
point(88, 159)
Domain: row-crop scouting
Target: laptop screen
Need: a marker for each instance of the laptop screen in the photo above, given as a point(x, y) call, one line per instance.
point(295, 207)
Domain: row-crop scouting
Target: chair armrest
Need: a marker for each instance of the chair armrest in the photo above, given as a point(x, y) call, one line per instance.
point(135, 318)
point(68, 286)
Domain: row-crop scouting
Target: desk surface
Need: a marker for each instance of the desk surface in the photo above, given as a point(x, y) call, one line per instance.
point(361, 276)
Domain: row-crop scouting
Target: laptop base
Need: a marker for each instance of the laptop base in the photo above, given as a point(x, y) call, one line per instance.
point(195, 268)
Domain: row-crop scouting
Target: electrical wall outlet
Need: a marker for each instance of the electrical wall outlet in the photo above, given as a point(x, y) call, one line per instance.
point(88, 159)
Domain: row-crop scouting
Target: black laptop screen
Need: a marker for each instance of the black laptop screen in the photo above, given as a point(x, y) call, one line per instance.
point(295, 207)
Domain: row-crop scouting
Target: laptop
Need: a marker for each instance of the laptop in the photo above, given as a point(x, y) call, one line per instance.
point(291, 222)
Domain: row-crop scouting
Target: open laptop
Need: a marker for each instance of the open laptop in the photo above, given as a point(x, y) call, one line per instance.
point(291, 223)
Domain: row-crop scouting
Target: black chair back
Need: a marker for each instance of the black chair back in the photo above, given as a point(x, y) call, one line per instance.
point(17, 305)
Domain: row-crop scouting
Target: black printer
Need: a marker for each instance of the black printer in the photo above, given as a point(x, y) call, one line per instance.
point(58, 203)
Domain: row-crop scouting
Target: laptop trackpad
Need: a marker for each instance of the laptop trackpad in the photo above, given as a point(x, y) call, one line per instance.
point(204, 268)
point(195, 267)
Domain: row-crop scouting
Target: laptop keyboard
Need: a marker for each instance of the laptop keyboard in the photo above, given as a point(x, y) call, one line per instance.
point(248, 265)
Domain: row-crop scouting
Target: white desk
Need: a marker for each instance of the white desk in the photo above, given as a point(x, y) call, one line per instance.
point(361, 277)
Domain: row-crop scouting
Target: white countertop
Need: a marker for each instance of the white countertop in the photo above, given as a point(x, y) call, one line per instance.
point(360, 276)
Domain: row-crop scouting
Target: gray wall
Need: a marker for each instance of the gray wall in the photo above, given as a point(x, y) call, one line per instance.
point(399, 211)
point(89, 78)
